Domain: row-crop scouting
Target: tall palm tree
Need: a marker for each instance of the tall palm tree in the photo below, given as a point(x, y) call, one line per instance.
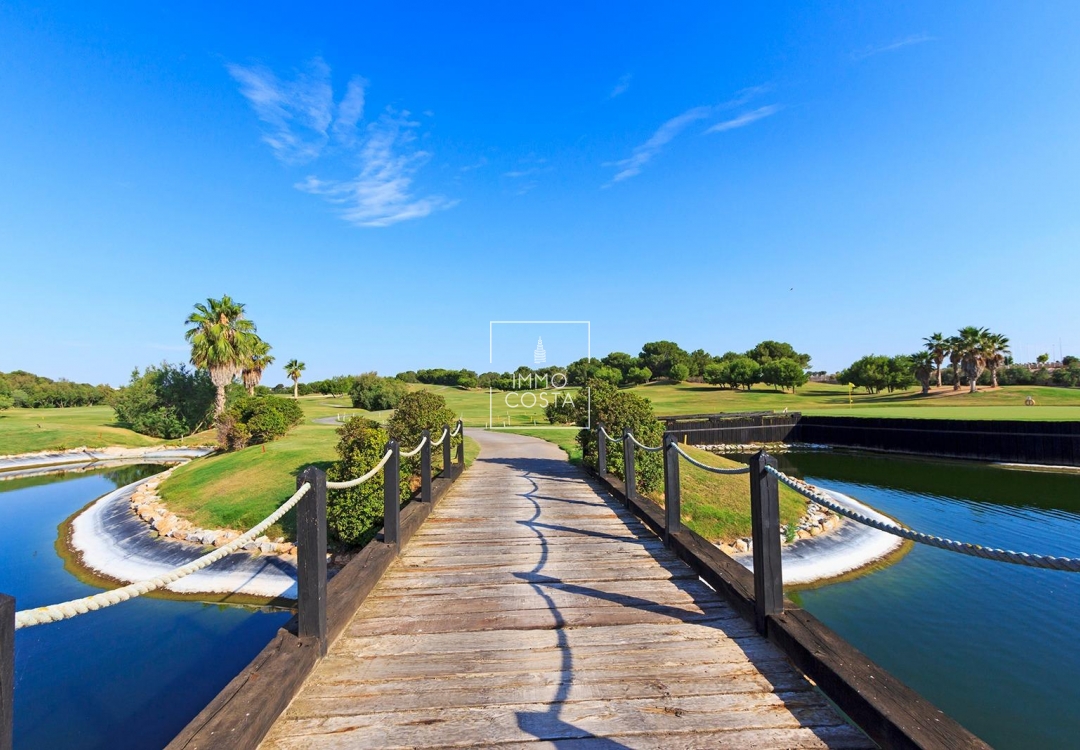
point(973, 353)
point(956, 355)
point(221, 341)
point(258, 362)
point(293, 369)
point(922, 366)
point(938, 348)
point(997, 348)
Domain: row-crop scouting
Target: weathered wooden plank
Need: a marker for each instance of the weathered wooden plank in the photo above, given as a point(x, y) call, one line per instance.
point(837, 737)
point(518, 722)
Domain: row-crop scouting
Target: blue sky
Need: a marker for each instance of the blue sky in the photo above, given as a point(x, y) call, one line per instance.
point(377, 182)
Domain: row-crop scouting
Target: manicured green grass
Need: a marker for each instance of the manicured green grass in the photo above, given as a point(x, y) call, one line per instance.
point(1055, 404)
point(30, 430)
point(237, 490)
point(717, 506)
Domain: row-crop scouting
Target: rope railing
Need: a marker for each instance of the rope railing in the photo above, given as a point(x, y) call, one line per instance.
point(613, 439)
point(639, 444)
point(361, 479)
point(445, 433)
point(56, 612)
point(415, 450)
point(457, 429)
point(706, 467)
point(1031, 560)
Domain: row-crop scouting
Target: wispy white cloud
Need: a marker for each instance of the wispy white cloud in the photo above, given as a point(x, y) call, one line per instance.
point(301, 119)
point(381, 194)
point(644, 153)
point(481, 162)
point(745, 119)
point(877, 49)
point(621, 86)
point(647, 151)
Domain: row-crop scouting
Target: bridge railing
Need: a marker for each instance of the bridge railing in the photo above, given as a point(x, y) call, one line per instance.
point(311, 552)
point(891, 713)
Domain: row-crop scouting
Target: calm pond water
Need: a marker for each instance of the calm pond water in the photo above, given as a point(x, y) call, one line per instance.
point(993, 645)
point(130, 676)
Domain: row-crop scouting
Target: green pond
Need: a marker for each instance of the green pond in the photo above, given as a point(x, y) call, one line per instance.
point(991, 644)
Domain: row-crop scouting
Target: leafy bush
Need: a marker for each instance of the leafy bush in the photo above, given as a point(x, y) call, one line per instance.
point(416, 412)
point(257, 419)
point(375, 393)
point(618, 410)
point(6, 402)
point(354, 515)
point(608, 374)
point(165, 401)
point(638, 376)
point(679, 372)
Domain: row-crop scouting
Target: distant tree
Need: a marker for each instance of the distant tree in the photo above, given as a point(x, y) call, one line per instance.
point(937, 346)
point(409, 376)
point(166, 401)
point(767, 351)
point(6, 402)
point(1068, 360)
point(579, 371)
point(679, 372)
point(659, 356)
point(783, 373)
point(699, 360)
point(995, 353)
point(259, 359)
point(924, 364)
point(374, 393)
point(293, 369)
point(956, 357)
point(716, 373)
point(222, 340)
point(744, 371)
point(608, 374)
point(870, 372)
point(621, 361)
point(1042, 359)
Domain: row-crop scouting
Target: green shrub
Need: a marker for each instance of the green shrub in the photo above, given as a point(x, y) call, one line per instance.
point(416, 412)
point(618, 410)
point(6, 402)
point(638, 376)
point(679, 372)
point(375, 393)
point(354, 515)
point(257, 419)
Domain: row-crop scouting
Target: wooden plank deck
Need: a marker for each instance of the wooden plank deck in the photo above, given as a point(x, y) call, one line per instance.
point(531, 611)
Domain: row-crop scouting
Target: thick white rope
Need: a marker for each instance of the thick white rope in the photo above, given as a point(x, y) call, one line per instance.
point(1050, 562)
point(615, 440)
point(361, 479)
point(457, 429)
point(437, 443)
point(713, 469)
point(65, 610)
point(649, 448)
point(415, 450)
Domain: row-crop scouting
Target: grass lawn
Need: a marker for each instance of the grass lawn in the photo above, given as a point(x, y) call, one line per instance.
point(30, 430)
point(1055, 404)
point(237, 490)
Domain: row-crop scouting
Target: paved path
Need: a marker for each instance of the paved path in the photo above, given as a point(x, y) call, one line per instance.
point(532, 611)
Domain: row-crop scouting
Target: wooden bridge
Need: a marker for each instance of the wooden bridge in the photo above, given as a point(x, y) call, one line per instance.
point(531, 604)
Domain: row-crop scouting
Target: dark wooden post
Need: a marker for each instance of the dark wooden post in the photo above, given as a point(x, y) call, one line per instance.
point(425, 467)
point(311, 557)
point(461, 444)
point(672, 493)
point(446, 450)
point(392, 495)
point(7, 671)
point(629, 480)
point(601, 450)
point(765, 515)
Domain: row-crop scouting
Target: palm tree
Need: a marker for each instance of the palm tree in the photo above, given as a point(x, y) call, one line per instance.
point(938, 347)
point(955, 356)
point(973, 346)
point(293, 369)
point(997, 348)
point(922, 366)
point(260, 359)
point(221, 341)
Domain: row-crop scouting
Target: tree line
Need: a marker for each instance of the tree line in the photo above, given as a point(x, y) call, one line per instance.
point(26, 390)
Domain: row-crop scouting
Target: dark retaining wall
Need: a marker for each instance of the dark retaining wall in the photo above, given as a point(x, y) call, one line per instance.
point(1056, 443)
